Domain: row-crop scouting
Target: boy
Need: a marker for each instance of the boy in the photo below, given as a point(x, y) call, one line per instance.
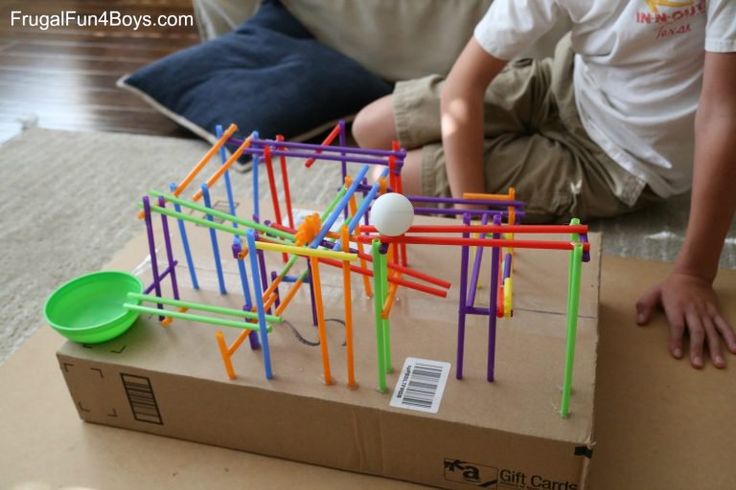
point(607, 126)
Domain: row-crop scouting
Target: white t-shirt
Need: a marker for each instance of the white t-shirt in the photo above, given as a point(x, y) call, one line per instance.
point(638, 71)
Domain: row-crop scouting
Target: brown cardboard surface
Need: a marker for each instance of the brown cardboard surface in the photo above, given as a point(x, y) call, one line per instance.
point(512, 423)
point(659, 423)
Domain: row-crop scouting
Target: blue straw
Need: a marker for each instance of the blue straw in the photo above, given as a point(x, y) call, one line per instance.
point(185, 243)
point(258, 294)
point(365, 204)
point(256, 204)
point(340, 206)
point(237, 248)
point(228, 186)
point(213, 239)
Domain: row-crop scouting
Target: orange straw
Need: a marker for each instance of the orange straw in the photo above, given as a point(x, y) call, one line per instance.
point(348, 309)
point(226, 354)
point(491, 197)
point(199, 166)
point(289, 296)
point(314, 262)
point(224, 167)
point(366, 282)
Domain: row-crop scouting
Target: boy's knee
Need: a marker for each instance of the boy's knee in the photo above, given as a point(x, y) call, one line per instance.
point(373, 126)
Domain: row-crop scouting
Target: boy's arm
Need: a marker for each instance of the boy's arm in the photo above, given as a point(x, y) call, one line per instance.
point(687, 295)
point(462, 117)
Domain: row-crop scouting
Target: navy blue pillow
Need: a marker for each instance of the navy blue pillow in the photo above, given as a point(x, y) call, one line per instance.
point(269, 75)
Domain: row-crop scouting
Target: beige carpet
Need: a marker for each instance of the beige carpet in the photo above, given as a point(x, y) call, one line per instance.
point(68, 202)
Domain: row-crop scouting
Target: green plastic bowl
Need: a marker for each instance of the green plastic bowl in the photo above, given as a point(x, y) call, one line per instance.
point(89, 309)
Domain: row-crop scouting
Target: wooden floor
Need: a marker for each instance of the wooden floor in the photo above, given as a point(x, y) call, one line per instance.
point(64, 77)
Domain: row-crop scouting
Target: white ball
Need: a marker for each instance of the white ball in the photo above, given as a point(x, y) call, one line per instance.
point(392, 214)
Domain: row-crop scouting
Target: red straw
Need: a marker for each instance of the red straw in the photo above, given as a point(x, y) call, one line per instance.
point(274, 190)
point(487, 229)
point(285, 179)
point(400, 282)
point(482, 242)
point(328, 141)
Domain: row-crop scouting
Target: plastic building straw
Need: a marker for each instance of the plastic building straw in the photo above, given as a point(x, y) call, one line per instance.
point(285, 180)
point(365, 203)
point(213, 241)
point(463, 303)
point(338, 209)
point(493, 281)
point(484, 242)
point(377, 305)
point(226, 176)
point(185, 243)
point(204, 307)
point(483, 228)
point(192, 317)
point(169, 252)
point(573, 304)
point(313, 262)
point(152, 248)
point(206, 158)
point(224, 216)
point(348, 297)
point(476, 267)
point(224, 167)
point(257, 292)
point(353, 207)
point(327, 141)
point(392, 280)
point(279, 247)
point(385, 326)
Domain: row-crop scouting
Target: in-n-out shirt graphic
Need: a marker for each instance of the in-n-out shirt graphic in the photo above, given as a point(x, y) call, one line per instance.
point(638, 72)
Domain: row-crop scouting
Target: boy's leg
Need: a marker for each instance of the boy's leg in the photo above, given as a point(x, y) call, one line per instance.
point(373, 126)
point(534, 142)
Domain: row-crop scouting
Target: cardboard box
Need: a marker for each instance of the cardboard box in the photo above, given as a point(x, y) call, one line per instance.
point(507, 434)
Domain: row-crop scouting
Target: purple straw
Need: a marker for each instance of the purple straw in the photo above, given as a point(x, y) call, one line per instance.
point(476, 268)
point(257, 142)
point(479, 212)
point(169, 253)
point(507, 265)
point(152, 250)
point(165, 273)
point(452, 200)
point(461, 311)
point(311, 293)
point(317, 156)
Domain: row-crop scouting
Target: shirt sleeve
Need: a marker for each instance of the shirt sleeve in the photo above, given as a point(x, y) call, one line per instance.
point(509, 26)
point(720, 33)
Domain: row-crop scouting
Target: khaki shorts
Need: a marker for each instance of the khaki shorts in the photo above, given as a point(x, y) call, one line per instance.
point(534, 141)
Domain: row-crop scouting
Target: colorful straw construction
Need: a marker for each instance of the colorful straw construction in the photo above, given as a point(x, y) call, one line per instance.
point(302, 249)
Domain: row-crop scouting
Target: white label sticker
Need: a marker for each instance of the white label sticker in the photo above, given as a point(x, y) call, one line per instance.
point(421, 385)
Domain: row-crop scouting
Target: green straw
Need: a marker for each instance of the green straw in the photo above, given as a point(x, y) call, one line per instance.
point(207, 223)
point(194, 318)
point(573, 304)
point(202, 307)
point(334, 202)
point(222, 215)
point(377, 307)
point(384, 321)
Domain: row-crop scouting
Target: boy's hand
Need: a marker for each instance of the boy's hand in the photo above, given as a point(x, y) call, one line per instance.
point(689, 302)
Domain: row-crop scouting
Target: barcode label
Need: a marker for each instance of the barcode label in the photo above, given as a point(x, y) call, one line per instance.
point(141, 398)
point(421, 385)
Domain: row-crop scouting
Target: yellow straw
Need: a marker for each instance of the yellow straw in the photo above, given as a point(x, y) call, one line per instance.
point(305, 252)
